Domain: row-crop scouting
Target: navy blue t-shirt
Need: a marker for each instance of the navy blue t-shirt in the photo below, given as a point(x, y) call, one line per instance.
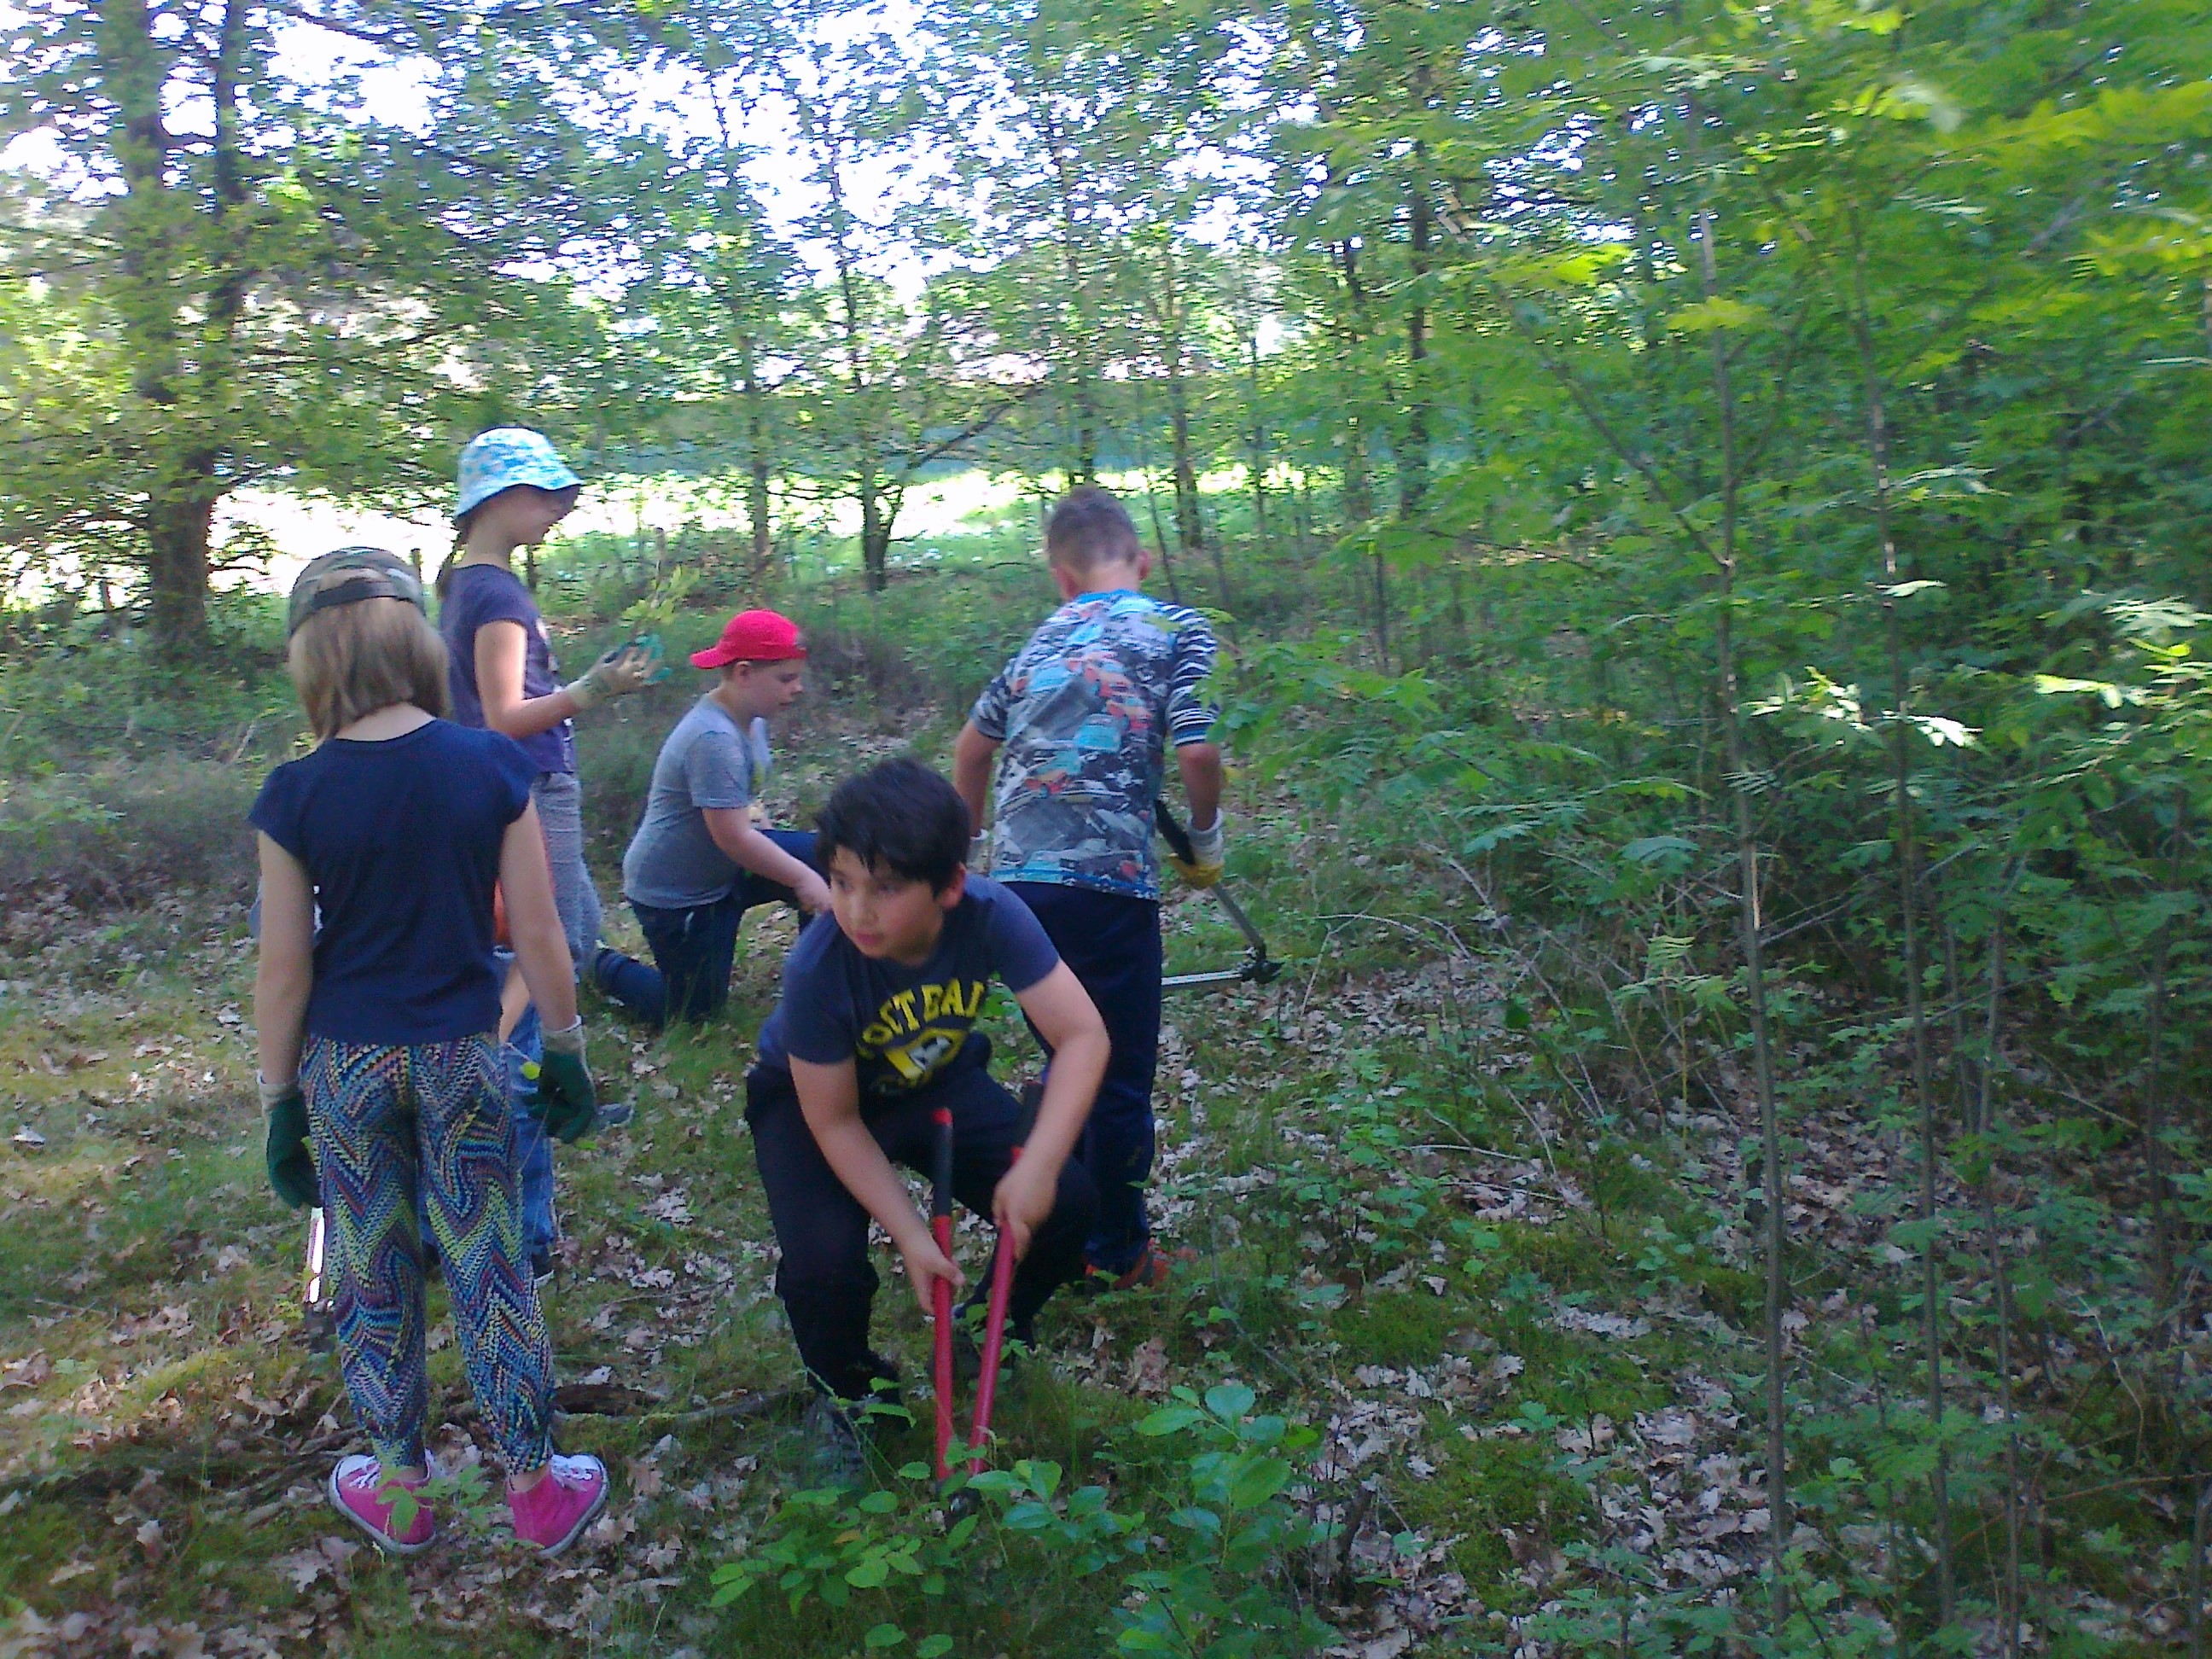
point(480, 594)
point(902, 1026)
point(401, 841)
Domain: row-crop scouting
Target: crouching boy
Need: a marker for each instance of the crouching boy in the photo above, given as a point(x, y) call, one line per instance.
point(699, 861)
point(874, 1035)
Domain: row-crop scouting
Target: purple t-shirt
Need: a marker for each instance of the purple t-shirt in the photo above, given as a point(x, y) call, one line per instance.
point(481, 594)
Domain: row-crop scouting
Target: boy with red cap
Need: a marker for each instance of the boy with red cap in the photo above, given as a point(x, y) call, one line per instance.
point(698, 861)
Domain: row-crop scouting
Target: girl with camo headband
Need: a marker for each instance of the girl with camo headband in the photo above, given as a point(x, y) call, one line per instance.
point(380, 1067)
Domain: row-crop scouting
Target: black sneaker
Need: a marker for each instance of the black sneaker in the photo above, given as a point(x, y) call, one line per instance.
point(837, 1450)
point(541, 1265)
point(612, 1115)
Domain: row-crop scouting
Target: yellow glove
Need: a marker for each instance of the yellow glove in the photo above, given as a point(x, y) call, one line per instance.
point(1203, 868)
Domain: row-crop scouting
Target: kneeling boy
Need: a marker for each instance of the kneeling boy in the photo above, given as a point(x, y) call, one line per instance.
point(698, 861)
point(874, 1035)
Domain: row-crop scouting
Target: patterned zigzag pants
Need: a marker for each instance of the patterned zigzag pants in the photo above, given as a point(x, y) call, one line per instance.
point(434, 1117)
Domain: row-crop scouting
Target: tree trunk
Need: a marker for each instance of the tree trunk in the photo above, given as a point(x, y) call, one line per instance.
point(1083, 454)
point(1414, 461)
point(1175, 360)
point(179, 523)
point(759, 506)
point(1357, 495)
point(178, 515)
point(1152, 505)
point(867, 487)
point(1754, 971)
point(875, 533)
point(1908, 898)
point(1259, 439)
point(1189, 535)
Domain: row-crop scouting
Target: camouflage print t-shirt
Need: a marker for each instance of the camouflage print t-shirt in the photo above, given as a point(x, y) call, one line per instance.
point(1086, 712)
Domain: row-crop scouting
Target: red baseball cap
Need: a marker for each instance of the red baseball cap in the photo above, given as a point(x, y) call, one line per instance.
point(753, 636)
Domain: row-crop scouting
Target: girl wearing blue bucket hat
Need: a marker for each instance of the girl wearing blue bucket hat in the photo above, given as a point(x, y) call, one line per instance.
point(513, 489)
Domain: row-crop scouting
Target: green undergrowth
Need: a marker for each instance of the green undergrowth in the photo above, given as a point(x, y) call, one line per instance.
point(148, 1316)
point(1470, 1295)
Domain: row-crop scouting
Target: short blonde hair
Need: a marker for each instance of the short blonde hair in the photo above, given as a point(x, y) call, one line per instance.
point(349, 660)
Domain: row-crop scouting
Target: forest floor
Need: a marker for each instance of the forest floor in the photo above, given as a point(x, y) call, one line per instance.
point(1529, 1352)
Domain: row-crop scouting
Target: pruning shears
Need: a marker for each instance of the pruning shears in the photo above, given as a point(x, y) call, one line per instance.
point(1258, 968)
point(994, 1326)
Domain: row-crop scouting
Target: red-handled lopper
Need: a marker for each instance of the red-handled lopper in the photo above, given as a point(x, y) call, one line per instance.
point(994, 1325)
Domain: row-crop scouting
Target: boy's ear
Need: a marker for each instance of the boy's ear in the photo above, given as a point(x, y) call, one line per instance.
point(953, 890)
point(1066, 581)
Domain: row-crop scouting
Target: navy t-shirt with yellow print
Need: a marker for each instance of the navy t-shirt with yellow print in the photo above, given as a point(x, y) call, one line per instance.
point(903, 1026)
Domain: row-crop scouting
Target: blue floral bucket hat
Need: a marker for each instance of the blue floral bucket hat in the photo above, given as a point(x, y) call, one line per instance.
point(507, 456)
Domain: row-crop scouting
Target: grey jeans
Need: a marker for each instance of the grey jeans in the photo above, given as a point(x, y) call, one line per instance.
point(560, 800)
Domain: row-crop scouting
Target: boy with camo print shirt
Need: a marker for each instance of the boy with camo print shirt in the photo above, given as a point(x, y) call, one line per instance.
point(1086, 714)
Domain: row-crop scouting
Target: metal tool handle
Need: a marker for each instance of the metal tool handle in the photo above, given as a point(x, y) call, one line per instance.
point(1172, 832)
point(940, 1227)
point(994, 1342)
point(1259, 968)
point(313, 1293)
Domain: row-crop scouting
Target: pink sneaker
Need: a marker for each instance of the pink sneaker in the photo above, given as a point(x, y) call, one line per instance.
point(551, 1514)
point(360, 1493)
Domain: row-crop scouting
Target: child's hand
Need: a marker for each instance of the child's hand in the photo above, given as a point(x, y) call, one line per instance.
point(1203, 868)
point(291, 1168)
point(1023, 1200)
point(926, 1263)
point(568, 1101)
point(812, 894)
point(625, 669)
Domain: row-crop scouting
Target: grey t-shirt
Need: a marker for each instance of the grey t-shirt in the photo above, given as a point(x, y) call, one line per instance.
point(673, 862)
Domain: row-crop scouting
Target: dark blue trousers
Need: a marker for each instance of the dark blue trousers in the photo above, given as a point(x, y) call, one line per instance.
point(1112, 942)
point(693, 947)
point(825, 1279)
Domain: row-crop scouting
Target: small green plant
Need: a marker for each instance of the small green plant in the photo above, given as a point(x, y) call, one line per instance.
point(465, 1497)
point(656, 613)
point(826, 1545)
point(1081, 1530)
point(1224, 1595)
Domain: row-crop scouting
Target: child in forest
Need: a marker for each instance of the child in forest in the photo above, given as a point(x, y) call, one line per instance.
point(513, 489)
point(378, 1041)
point(874, 1034)
point(1085, 712)
point(699, 861)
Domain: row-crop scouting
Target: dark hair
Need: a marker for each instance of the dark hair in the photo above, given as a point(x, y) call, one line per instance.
point(1089, 527)
point(442, 586)
point(901, 817)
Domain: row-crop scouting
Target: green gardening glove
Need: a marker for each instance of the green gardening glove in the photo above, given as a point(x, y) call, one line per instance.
point(291, 1166)
point(566, 1103)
